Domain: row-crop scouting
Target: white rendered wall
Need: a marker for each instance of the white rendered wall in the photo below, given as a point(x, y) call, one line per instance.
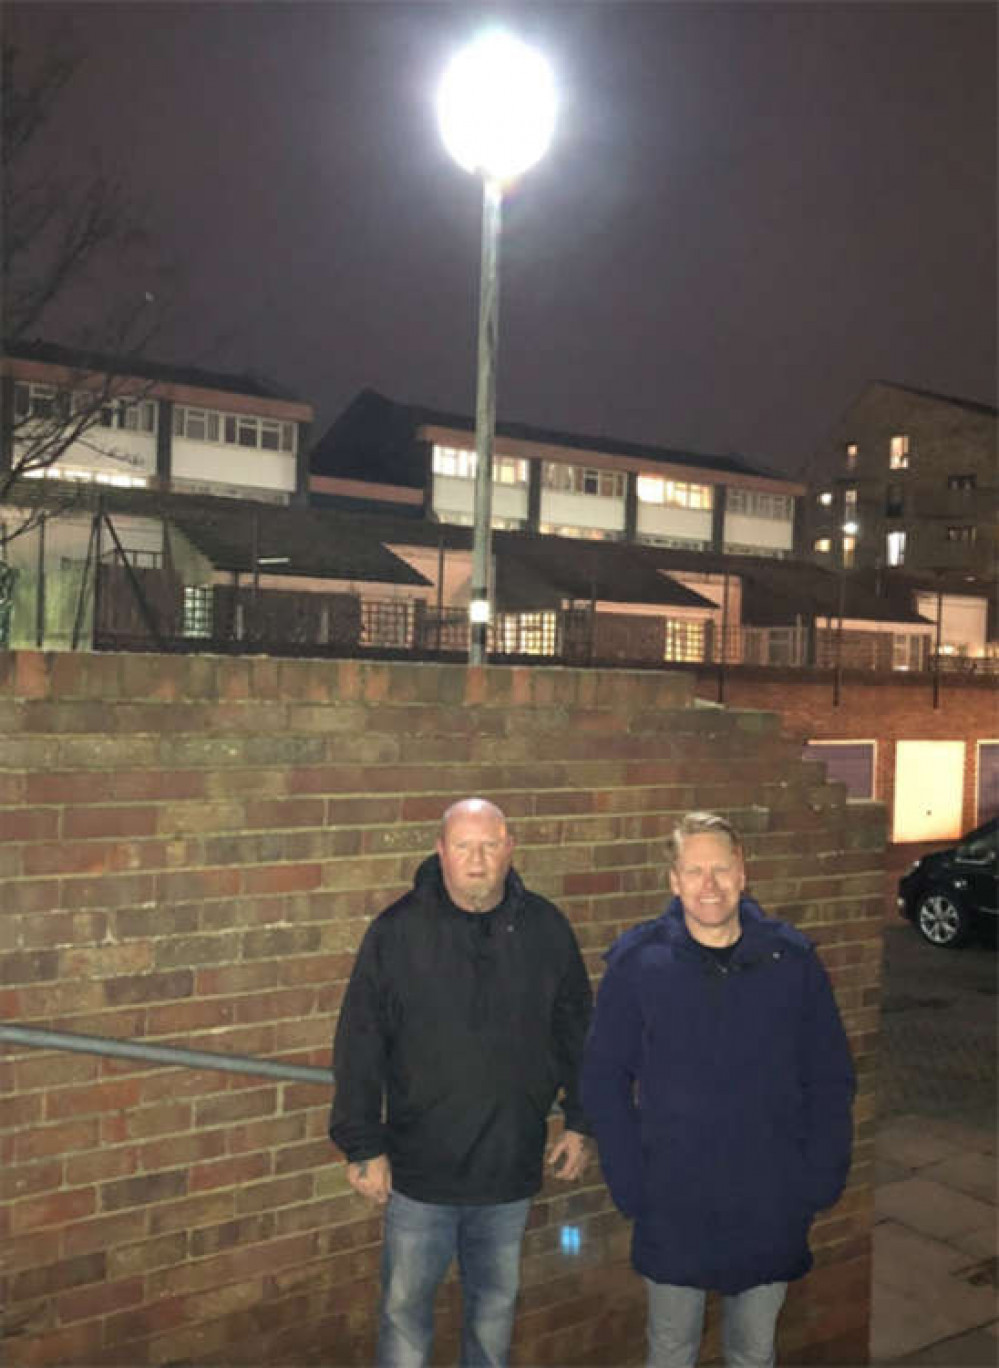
point(744, 530)
point(112, 451)
point(243, 467)
point(582, 510)
point(457, 496)
point(964, 620)
point(660, 520)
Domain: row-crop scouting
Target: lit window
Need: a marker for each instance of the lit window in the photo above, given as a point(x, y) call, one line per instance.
point(823, 545)
point(849, 550)
point(898, 452)
point(527, 633)
point(895, 548)
point(569, 479)
point(581, 533)
point(908, 651)
point(197, 610)
point(961, 534)
point(852, 452)
point(850, 504)
point(674, 493)
point(461, 463)
point(684, 640)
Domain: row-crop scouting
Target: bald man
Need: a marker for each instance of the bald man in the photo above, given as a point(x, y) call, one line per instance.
point(464, 1019)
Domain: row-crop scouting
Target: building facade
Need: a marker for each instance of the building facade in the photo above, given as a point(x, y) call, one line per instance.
point(556, 484)
point(915, 485)
point(72, 417)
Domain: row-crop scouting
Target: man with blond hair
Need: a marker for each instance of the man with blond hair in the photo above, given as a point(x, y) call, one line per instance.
point(718, 1082)
point(464, 1017)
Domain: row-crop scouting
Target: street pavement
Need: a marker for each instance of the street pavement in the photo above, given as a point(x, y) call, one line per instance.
point(935, 1236)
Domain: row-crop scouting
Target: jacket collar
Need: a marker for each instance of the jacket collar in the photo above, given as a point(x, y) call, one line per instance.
point(428, 882)
point(754, 923)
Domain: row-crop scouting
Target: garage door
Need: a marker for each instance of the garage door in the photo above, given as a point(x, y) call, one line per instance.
point(988, 781)
point(848, 762)
point(929, 782)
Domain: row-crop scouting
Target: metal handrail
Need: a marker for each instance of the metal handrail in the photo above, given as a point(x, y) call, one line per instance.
point(39, 1038)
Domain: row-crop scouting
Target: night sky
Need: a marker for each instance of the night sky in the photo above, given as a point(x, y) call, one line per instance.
point(749, 210)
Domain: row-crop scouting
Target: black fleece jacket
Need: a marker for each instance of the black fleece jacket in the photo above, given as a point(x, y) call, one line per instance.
point(457, 1032)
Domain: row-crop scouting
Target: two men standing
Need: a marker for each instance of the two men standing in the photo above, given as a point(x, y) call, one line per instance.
point(717, 1081)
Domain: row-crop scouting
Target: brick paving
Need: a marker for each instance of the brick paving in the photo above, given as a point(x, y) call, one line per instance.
point(934, 1283)
point(938, 1031)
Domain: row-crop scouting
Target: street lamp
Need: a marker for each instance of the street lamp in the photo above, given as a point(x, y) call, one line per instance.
point(849, 529)
point(496, 109)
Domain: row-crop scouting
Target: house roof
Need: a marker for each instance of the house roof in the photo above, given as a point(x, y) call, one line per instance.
point(374, 439)
point(143, 368)
point(292, 541)
point(301, 542)
point(971, 404)
point(777, 593)
point(535, 572)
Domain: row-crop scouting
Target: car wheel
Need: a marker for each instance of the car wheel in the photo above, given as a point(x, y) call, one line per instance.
point(942, 921)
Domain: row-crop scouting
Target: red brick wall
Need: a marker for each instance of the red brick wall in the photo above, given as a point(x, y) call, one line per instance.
point(887, 708)
point(191, 850)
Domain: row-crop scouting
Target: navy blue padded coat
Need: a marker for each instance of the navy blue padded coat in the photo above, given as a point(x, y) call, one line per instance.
point(720, 1099)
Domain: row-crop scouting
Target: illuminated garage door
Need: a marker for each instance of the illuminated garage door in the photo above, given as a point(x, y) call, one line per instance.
point(929, 783)
point(988, 781)
point(847, 762)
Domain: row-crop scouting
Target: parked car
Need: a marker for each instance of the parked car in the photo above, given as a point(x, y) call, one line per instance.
point(952, 893)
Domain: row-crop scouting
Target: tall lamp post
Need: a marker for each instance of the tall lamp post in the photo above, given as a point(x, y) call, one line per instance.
point(849, 529)
point(496, 109)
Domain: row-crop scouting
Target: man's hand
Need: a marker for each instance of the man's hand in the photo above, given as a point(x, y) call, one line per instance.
point(568, 1156)
point(372, 1178)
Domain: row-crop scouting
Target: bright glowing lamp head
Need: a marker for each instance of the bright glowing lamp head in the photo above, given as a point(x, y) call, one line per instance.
point(851, 528)
point(496, 106)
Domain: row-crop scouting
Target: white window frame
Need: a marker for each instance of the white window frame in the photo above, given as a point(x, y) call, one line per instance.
point(245, 431)
point(576, 479)
point(756, 503)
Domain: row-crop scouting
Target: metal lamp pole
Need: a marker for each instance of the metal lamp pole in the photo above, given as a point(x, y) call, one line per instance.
point(849, 529)
point(496, 108)
point(480, 609)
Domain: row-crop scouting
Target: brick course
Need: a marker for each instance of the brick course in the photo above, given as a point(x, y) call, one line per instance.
point(192, 849)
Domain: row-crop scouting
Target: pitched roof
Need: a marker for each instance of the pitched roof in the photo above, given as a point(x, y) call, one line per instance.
point(143, 368)
point(374, 438)
point(536, 572)
point(302, 542)
point(972, 405)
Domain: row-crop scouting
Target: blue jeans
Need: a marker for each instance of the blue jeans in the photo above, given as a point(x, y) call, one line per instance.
point(749, 1325)
point(421, 1239)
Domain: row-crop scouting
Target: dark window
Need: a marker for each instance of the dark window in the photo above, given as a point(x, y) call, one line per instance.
point(961, 481)
point(894, 501)
point(961, 534)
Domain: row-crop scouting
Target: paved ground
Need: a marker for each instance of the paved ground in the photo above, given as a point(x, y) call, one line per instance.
point(935, 1241)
